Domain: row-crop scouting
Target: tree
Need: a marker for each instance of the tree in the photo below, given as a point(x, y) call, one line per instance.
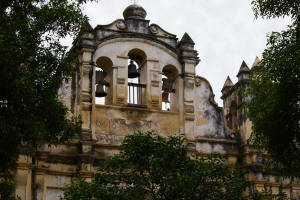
point(275, 89)
point(33, 66)
point(152, 167)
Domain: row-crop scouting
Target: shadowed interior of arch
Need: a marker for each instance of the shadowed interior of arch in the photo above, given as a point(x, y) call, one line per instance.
point(137, 85)
point(104, 64)
point(168, 81)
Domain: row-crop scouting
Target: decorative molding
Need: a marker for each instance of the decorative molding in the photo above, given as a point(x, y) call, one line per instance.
point(123, 57)
point(121, 25)
point(120, 100)
point(153, 29)
point(121, 81)
point(189, 82)
point(85, 97)
point(152, 60)
point(86, 106)
point(189, 108)
point(155, 83)
point(197, 81)
point(189, 117)
point(155, 101)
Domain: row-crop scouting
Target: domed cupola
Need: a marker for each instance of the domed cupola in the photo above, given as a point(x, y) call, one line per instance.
point(134, 11)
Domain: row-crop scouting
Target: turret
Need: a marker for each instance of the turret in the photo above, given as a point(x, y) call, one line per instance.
point(227, 85)
point(256, 62)
point(243, 74)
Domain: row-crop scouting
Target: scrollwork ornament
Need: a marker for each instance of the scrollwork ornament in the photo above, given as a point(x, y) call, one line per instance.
point(197, 81)
point(121, 25)
point(154, 29)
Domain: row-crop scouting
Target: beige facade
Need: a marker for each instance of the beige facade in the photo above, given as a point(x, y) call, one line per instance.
point(191, 110)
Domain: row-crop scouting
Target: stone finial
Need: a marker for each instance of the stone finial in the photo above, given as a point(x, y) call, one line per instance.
point(186, 46)
point(243, 69)
point(134, 11)
point(187, 39)
point(256, 62)
point(228, 83)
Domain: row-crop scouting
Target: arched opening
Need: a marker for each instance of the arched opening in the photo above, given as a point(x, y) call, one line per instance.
point(169, 92)
point(103, 81)
point(137, 77)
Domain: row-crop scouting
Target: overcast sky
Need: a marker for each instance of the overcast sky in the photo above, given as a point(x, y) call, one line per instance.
point(225, 31)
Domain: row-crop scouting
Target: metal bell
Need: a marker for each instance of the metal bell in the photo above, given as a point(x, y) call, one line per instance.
point(100, 75)
point(168, 85)
point(100, 92)
point(165, 97)
point(132, 70)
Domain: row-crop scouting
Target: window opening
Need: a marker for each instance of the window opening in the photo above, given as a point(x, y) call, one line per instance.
point(136, 78)
point(168, 94)
point(165, 96)
point(103, 81)
point(135, 88)
point(101, 86)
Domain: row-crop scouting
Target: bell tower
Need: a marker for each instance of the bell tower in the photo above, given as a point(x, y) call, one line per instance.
point(131, 75)
point(134, 68)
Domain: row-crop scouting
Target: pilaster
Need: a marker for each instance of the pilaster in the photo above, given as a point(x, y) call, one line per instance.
point(85, 91)
point(23, 177)
point(121, 74)
point(189, 59)
point(154, 84)
point(188, 99)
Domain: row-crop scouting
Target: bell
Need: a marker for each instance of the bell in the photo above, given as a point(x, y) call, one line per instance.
point(100, 91)
point(168, 85)
point(165, 97)
point(100, 75)
point(132, 70)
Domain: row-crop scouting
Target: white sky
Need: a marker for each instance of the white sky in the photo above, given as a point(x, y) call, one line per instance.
point(225, 31)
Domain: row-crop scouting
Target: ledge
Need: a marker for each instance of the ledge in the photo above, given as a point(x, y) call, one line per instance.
point(213, 140)
point(135, 108)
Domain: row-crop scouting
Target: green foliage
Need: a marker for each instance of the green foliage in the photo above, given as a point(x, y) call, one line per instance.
point(275, 90)
point(152, 167)
point(7, 189)
point(276, 8)
point(33, 65)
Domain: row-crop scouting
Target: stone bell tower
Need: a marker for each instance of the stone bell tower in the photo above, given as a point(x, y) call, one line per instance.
point(131, 75)
point(133, 104)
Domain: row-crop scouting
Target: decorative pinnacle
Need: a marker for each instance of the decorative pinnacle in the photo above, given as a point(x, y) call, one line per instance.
point(187, 39)
point(134, 11)
point(244, 68)
point(256, 62)
point(228, 83)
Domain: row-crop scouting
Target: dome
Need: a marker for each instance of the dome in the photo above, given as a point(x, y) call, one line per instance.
point(134, 11)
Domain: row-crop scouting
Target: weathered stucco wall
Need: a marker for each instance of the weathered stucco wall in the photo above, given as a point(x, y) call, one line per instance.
point(112, 123)
point(209, 120)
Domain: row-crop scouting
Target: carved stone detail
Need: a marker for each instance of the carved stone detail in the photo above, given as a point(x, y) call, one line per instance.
point(155, 101)
point(121, 81)
point(121, 25)
point(154, 29)
point(189, 82)
point(197, 81)
point(155, 83)
point(189, 108)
